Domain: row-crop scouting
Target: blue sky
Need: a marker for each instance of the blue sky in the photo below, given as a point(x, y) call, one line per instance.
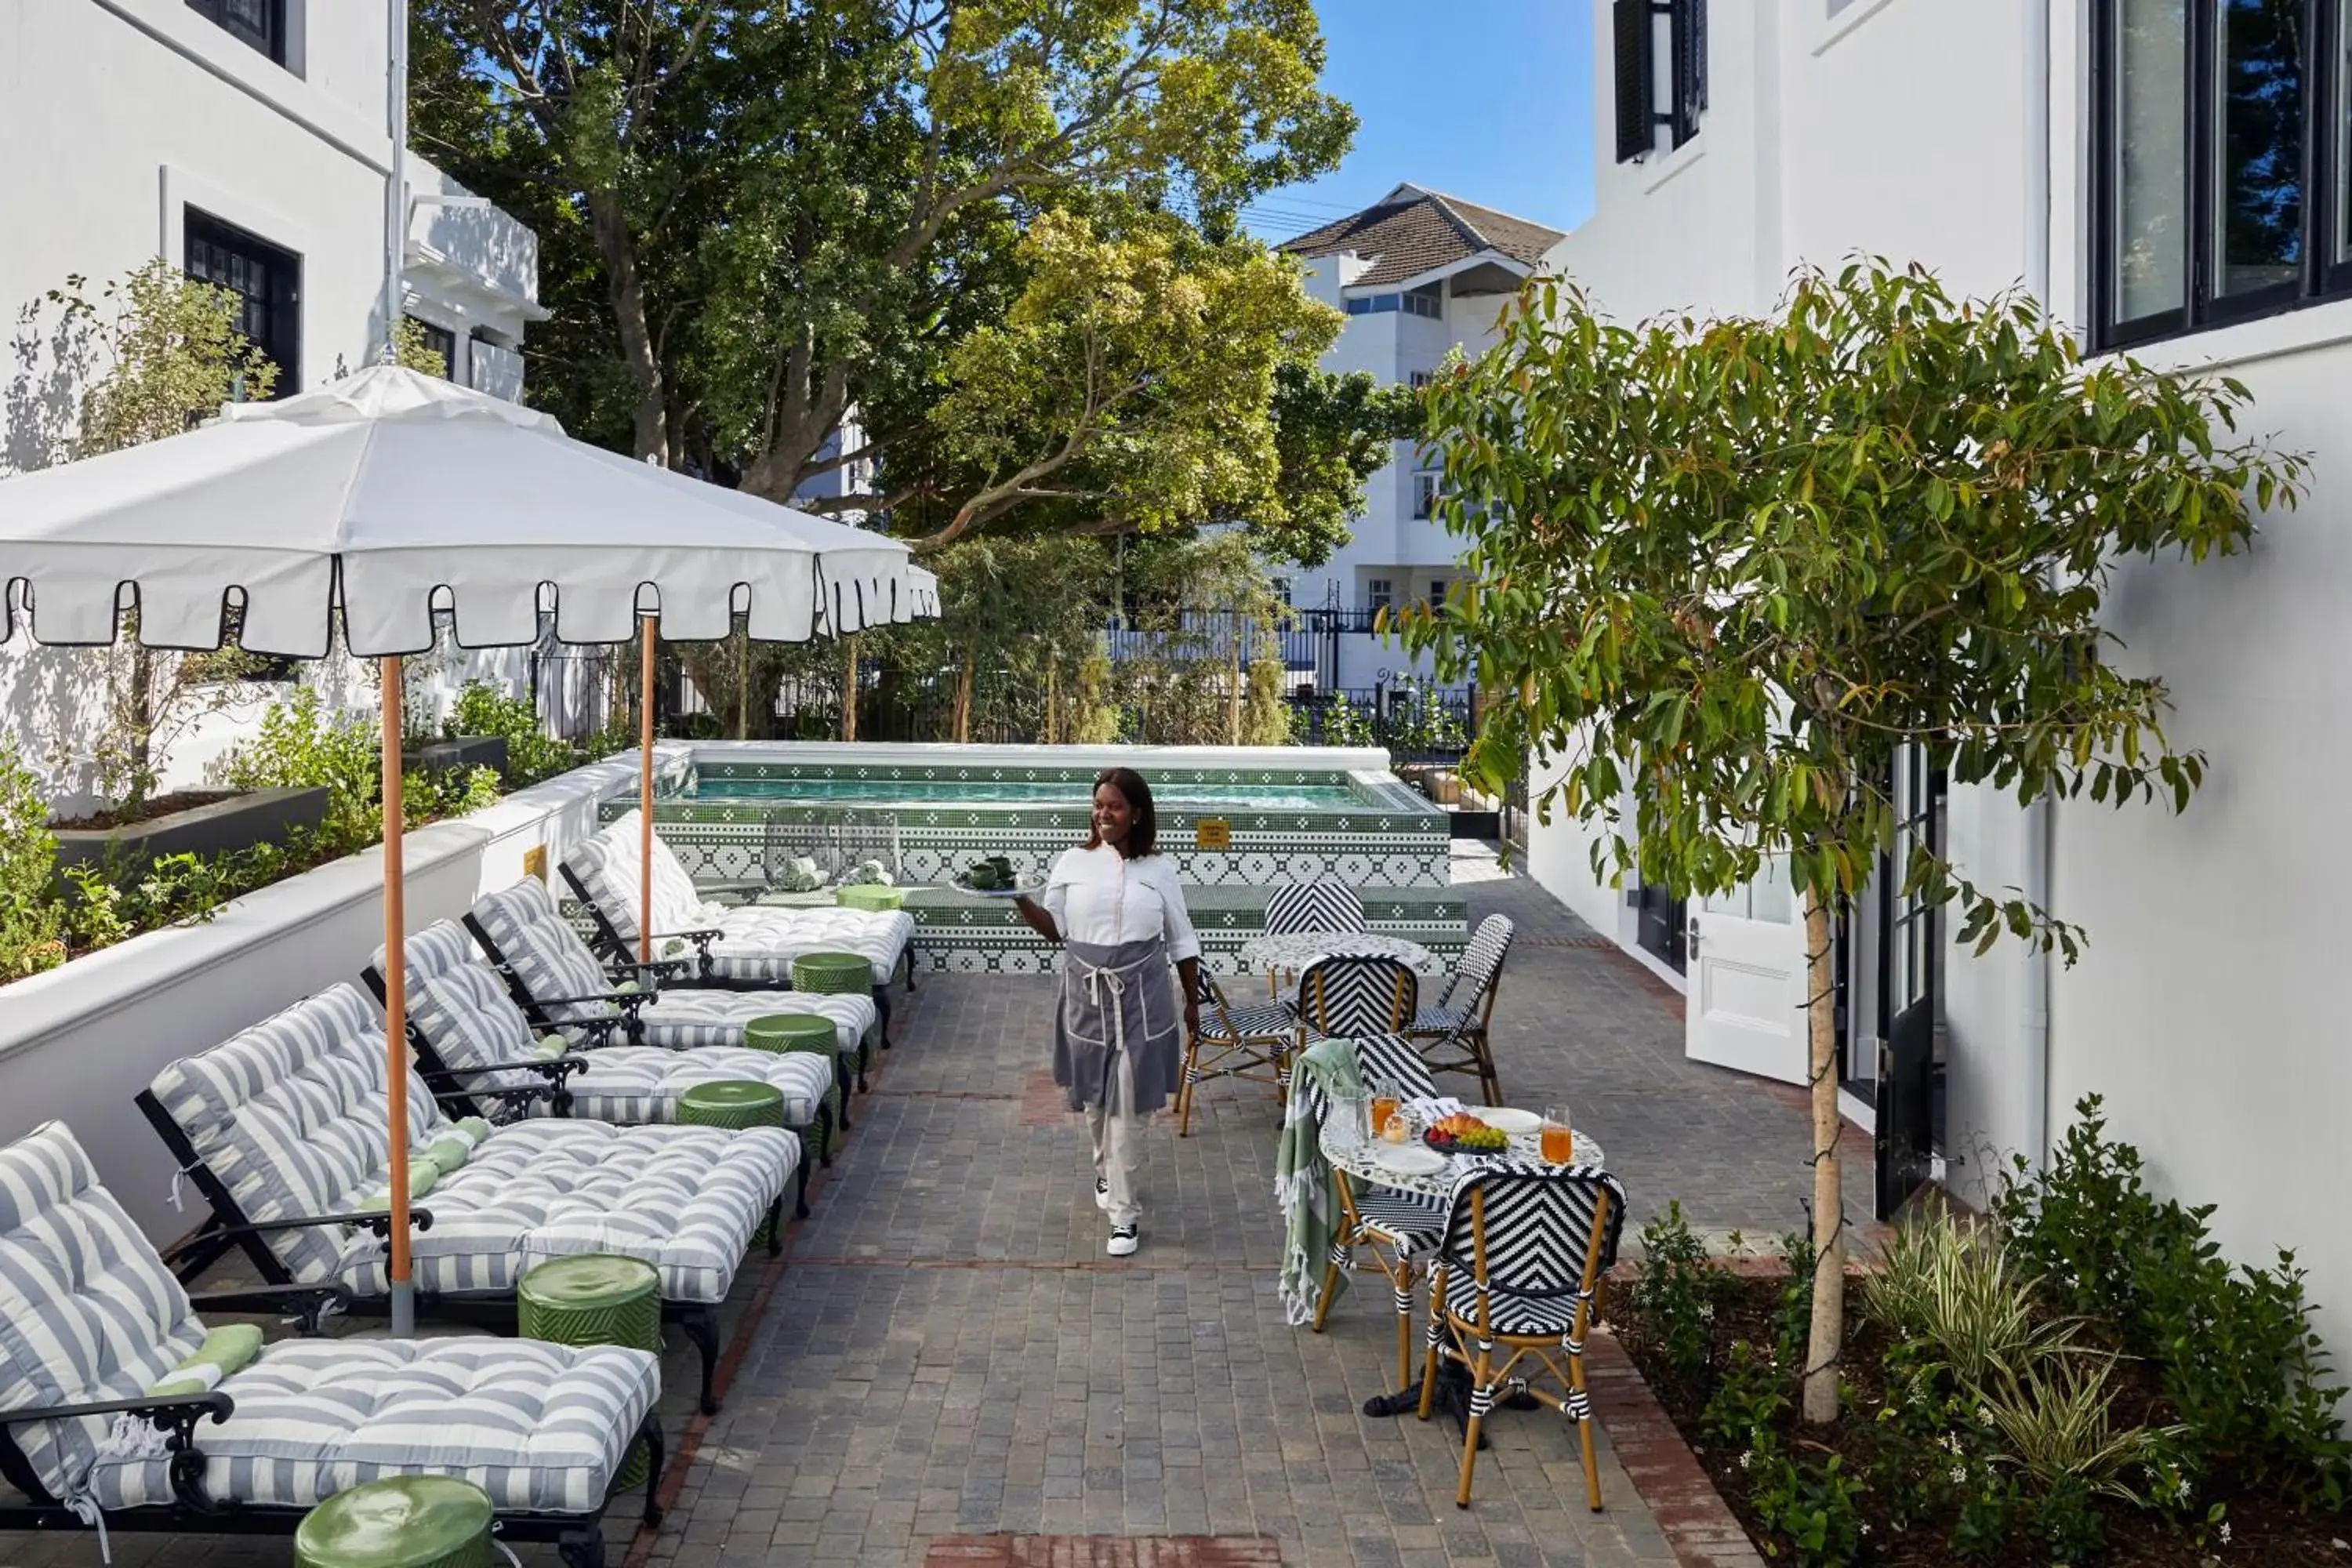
point(1487, 100)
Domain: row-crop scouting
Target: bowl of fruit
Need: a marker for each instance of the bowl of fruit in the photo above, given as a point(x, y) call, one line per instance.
point(1465, 1134)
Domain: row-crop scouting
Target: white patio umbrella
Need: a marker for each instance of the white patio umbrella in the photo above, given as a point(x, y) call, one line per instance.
point(388, 496)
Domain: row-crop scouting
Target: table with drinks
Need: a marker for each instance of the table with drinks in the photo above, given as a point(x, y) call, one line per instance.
point(1383, 1142)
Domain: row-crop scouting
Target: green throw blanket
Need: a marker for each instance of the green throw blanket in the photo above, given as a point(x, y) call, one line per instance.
point(1303, 1187)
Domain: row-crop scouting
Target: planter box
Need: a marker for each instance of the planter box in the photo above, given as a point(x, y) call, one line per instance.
point(458, 754)
point(259, 817)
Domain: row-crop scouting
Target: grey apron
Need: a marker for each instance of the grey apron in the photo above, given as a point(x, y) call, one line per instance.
point(1113, 999)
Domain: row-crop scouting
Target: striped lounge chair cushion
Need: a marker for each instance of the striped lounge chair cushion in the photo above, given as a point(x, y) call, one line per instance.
point(539, 1428)
point(87, 1312)
point(632, 1084)
point(690, 1020)
point(756, 945)
point(290, 1116)
point(538, 947)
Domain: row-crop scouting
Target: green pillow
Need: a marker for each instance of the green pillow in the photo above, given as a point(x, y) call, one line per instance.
point(423, 1171)
point(456, 1144)
point(548, 1045)
point(625, 988)
point(225, 1351)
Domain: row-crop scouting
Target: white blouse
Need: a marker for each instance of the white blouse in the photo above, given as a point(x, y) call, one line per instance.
point(1101, 897)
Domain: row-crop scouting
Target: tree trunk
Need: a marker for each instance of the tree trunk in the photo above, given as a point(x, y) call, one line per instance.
point(1053, 699)
point(963, 695)
point(849, 688)
point(1828, 1333)
point(139, 733)
point(625, 289)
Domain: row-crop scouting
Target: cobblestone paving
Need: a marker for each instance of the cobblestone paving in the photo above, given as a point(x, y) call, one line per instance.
point(946, 1351)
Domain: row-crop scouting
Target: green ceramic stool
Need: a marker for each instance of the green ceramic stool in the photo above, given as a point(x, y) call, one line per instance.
point(806, 1032)
point(869, 896)
point(838, 974)
point(401, 1521)
point(735, 1104)
point(595, 1299)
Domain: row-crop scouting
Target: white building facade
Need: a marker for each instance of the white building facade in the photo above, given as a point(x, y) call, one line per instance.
point(1420, 274)
point(2113, 157)
point(247, 142)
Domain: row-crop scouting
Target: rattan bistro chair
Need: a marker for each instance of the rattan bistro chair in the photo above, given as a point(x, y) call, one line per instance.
point(1511, 1294)
point(1252, 1043)
point(1350, 997)
point(1454, 1028)
point(1293, 908)
point(1398, 1228)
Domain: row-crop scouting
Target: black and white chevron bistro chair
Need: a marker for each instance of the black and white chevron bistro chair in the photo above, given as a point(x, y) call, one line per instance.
point(1455, 1026)
point(1510, 1293)
point(1253, 1043)
point(1398, 1228)
point(1350, 997)
point(1294, 908)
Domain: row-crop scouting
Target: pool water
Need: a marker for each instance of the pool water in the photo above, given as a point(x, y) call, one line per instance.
point(1176, 794)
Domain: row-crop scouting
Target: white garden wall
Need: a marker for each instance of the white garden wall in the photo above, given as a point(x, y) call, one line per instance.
point(77, 1043)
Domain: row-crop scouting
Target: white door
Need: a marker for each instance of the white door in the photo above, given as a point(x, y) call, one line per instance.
point(1743, 1008)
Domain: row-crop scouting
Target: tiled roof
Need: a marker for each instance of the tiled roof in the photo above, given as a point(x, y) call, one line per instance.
point(1419, 230)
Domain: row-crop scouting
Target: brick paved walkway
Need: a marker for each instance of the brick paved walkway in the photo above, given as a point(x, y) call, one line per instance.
point(947, 1354)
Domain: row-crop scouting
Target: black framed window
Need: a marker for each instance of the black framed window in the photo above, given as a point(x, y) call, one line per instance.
point(260, 24)
point(2220, 161)
point(266, 282)
point(440, 340)
point(1644, 101)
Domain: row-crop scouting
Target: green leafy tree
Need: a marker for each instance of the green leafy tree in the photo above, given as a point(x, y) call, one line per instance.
point(30, 921)
point(761, 216)
point(1731, 567)
point(158, 351)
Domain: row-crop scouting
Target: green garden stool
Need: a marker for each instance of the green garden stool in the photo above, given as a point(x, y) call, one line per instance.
point(781, 1031)
point(839, 974)
point(401, 1521)
point(596, 1298)
point(869, 896)
point(735, 1104)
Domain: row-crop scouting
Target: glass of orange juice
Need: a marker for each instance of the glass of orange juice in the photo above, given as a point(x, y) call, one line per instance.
point(1384, 1105)
point(1559, 1143)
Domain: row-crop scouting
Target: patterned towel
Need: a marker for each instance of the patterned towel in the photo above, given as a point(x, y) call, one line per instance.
point(1303, 1187)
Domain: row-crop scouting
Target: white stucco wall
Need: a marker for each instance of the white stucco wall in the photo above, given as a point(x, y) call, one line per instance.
point(2202, 1009)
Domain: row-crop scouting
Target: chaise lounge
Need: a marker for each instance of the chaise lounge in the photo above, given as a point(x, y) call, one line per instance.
point(282, 1128)
point(734, 947)
point(474, 1045)
point(560, 984)
point(119, 1412)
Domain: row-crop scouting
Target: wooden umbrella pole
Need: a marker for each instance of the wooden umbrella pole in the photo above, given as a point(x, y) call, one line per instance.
point(395, 1006)
point(645, 798)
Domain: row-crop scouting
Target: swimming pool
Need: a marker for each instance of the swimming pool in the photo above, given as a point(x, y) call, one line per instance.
point(1168, 792)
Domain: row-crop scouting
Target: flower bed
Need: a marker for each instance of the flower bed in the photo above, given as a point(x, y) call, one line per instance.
point(2080, 1379)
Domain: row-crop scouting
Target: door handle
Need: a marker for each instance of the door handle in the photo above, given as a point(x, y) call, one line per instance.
point(1691, 937)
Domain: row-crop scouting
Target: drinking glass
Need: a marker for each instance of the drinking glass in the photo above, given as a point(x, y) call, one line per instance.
point(1385, 1100)
point(1349, 1117)
point(1559, 1142)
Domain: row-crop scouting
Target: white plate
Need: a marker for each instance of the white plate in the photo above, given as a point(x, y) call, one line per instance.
point(1503, 1118)
point(1409, 1159)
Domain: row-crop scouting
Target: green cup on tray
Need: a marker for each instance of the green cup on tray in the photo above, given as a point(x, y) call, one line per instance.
point(992, 875)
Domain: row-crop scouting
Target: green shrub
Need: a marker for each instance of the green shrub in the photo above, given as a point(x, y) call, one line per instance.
point(31, 929)
point(532, 755)
point(1677, 1293)
point(2232, 1347)
point(302, 746)
point(1954, 1293)
point(1815, 1510)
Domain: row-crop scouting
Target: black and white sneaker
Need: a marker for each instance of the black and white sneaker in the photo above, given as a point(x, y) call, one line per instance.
point(1122, 1241)
point(1102, 1194)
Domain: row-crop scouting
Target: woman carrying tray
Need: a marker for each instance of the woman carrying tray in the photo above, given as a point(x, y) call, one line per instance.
point(1116, 905)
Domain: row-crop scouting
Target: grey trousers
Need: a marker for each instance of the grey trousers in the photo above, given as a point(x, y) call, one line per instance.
point(1117, 1131)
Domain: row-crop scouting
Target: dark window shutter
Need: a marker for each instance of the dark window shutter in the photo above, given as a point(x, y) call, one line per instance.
point(1687, 36)
point(1635, 113)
